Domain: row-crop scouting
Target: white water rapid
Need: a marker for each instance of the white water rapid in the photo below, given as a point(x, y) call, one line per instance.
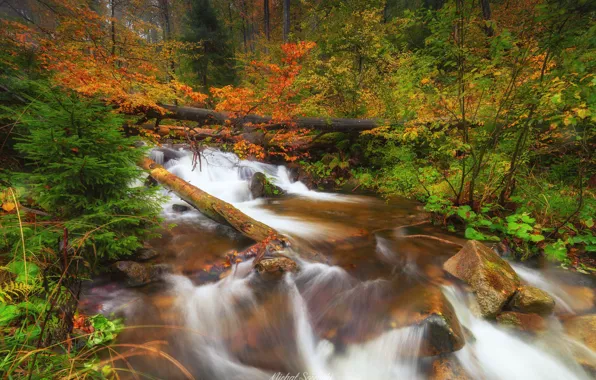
point(242, 328)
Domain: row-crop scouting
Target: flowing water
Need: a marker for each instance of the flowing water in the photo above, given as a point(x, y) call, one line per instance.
point(359, 258)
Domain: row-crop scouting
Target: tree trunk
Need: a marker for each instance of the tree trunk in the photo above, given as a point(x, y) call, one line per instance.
point(113, 26)
point(266, 19)
point(286, 10)
point(211, 206)
point(486, 15)
point(211, 117)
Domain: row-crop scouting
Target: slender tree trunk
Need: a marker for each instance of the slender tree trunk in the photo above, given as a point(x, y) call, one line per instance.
point(486, 15)
point(266, 19)
point(113, 25)
point(286, 10)
point(460, 40)
point(167, 33)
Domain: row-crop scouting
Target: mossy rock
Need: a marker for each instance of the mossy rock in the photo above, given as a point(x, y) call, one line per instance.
point(260, 186)
point(491, 278)
point(529, 299)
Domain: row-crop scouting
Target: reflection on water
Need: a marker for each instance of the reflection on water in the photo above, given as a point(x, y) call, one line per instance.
point(359, 268)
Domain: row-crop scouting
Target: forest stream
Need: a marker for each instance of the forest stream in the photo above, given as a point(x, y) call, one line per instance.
point(366, 268)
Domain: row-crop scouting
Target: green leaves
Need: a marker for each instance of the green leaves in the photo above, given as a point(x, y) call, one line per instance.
point(556, 251)
point(104, 330)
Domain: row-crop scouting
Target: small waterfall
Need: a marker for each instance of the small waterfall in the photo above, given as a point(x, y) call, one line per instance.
point(563, 300)
point(157, 156)
point(499, 354)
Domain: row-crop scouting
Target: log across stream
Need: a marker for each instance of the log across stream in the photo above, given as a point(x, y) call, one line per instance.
point(367, 301)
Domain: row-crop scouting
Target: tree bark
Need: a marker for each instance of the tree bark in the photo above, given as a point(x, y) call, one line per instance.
point(486, 15)
point(286, 10)
point(211, 206)
point(211, 117)
point(266, 19)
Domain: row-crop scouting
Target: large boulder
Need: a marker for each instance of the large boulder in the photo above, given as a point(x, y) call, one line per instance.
point(583, 328)
point(529, 299)
point(491, 278)
point(260, 186)
point(530, 323)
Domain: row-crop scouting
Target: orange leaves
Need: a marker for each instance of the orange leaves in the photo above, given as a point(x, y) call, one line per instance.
point(245, 149)
point(86, 55)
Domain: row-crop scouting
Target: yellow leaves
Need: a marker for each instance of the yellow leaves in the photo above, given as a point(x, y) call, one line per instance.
point(8, 206)
point(582, 112)
point(7, 201)
point(425, 81)
point(410, 133)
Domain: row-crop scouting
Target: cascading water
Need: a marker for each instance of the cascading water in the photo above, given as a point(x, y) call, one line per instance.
point(323, 322)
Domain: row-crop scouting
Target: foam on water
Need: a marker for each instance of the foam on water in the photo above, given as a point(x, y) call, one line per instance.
point(227, 177)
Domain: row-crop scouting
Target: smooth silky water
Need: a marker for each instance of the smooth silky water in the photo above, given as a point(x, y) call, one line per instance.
point(325, 322)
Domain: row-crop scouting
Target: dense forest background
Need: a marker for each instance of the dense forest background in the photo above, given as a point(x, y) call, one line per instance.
point(482, 110)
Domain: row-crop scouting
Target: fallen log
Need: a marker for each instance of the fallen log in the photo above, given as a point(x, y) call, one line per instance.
point(211, 117)
point(211, 206)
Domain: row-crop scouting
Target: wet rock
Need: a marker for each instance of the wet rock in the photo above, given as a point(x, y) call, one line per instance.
point(491, 278)
point(583, 328)
point(448, 368)
point(428, 307)
point(138, 274)
point(531, 323)
point(275, 268)
point(180, 207)
point(145, 254)
point(529, 299)
point(298, 174)
point(260, 186)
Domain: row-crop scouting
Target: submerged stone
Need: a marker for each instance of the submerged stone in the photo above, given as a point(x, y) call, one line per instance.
point(529, 299)
point(491, 278)
point(583, 328)
point(531, 323)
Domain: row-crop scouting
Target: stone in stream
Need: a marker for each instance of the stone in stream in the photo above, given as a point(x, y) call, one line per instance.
point(583, 328)
point(180, 207)
point(531, 323)
point(448, 368)
point(275, 268)
point(374, 312)
point(582, 298)
point(260, 186)
point(529, 299)
point(491, 278)
point(145, 254)
point(138, 274)
point(427, 307)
